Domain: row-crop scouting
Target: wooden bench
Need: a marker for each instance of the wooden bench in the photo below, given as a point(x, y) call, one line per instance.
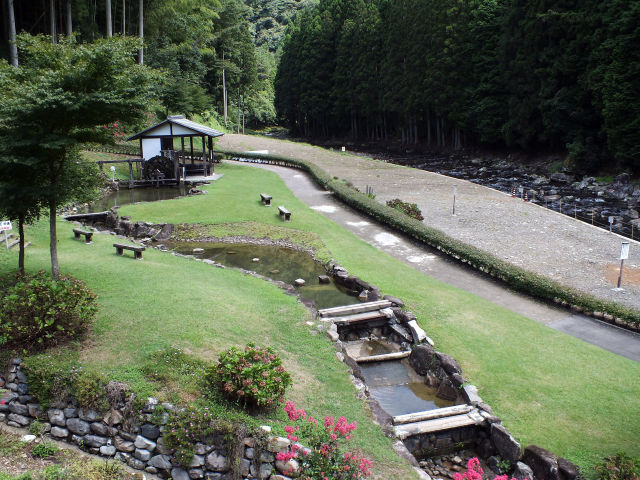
point(284, 213)
point(137, 251)
point(88, 235)
point(266, 199)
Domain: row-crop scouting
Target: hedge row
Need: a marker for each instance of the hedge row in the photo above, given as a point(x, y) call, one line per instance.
point(517, 278)
point(117, 148)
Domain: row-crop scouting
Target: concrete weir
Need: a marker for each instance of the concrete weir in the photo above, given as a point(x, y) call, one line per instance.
point(415, 409)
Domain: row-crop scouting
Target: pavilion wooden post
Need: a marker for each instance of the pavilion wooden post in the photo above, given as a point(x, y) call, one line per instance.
point(205, 165)
point(191, 142)
point(130, 174)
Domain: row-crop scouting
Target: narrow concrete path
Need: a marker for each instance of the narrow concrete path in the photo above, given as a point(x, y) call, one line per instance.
point(429, 262)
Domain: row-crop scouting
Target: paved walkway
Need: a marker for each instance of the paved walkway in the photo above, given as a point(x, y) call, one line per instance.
point(540, 240)
point(428, 261)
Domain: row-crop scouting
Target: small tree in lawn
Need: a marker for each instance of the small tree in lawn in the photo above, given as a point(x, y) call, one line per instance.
point(59, 97)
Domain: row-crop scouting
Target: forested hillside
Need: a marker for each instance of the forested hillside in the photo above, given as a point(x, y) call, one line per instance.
point(270, 18)
point(204, 48)
point(548, 75)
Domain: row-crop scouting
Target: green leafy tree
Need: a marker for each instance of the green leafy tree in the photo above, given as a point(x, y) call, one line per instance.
point(61, 96)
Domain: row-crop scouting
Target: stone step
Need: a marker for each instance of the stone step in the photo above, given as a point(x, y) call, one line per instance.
point(432, 414)
point(355, 308)
point(438, 424)
point(385, 357)
point(356, 318)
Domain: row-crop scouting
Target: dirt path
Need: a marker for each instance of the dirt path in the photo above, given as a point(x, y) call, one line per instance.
point(537, 239)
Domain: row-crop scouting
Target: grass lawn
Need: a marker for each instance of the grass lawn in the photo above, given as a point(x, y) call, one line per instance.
point(552, 390)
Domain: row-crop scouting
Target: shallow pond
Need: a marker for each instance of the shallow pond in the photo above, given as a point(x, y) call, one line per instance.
point(126, 196)
point(277, 263)
point(398, 389)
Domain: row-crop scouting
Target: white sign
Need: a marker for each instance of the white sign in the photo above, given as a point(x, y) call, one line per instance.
point(624, 252)
point(5, 225)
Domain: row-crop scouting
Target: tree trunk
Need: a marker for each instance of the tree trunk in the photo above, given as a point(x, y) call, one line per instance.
point(224, 90)
point(53, 239)
point(124, 18)
point(108, 15)
point(141, 31)
point(52, 21)
point(21, 239)
point(13, 49)
point(69, 19)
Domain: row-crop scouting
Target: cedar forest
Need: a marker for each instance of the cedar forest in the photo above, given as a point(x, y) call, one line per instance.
point(540, 76)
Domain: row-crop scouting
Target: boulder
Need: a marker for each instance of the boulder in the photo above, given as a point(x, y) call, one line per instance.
point(142, 454)
point(324, 279)
point(108, 450)
point(100, 428)
point(161, 462)
point(217, 462)
point(144, 443)
point(422, 358)
point(417, 333)
point(568, 471)
point(448, 363)
point(123, 445)
point(507, 446)
point(447, 391)
point(18, 408)
point(89, 415)
point(543, 463)
point(396, 302)
point(94, 441)
point(79, 427)
point(59, 432)
point(21, 420)
point(150, 431)
point(522, 471)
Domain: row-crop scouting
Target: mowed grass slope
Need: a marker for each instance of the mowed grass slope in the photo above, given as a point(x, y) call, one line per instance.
point(165, 301)
point(550, 389)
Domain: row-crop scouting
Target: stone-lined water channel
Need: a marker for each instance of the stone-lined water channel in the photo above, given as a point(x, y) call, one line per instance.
point(275, 262)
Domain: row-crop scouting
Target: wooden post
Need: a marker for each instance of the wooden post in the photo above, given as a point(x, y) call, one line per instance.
point(182, 146)
point(130, 175)
point(191, 142)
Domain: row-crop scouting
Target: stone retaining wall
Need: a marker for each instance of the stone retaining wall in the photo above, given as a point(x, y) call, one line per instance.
point(142, 446)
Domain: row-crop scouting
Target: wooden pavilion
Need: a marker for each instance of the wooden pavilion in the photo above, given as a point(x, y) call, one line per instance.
point(160, 140)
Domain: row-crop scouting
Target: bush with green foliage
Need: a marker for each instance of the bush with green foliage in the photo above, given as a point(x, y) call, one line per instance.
point(253, 377)
point(39, 312)
point(57, 382)
point(185, 428)
point(618, 467)
point(410, 209)
point(44, 450)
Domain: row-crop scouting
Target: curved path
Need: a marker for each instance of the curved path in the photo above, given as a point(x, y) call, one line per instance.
point(539, 240)
point(612, 338)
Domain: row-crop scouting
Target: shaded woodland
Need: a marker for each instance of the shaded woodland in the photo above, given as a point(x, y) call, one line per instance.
point(561, 76)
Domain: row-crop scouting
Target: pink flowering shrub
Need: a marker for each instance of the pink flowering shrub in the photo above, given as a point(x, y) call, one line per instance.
point(325, 459)
point(253, 377)
point(475, 472)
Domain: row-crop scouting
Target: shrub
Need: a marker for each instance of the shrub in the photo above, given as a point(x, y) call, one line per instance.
point(253, 377)
point(44, 450)
point(475, 472)
point(326, 456)
point(618, 467)
point(89, 390)
point(39, 312)
point(184, 429)
point(57, 382)
point(410, 209)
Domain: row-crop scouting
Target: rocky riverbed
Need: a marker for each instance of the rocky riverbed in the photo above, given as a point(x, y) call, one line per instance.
point(594, 201)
